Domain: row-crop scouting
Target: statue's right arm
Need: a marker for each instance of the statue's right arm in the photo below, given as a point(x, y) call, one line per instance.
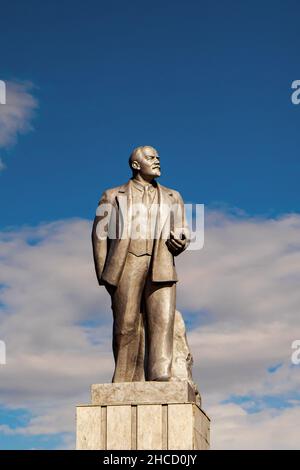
point(100, 234)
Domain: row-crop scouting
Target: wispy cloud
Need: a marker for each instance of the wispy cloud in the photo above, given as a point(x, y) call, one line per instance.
point(234, 428)
point(2, 165)
point(17, 114)
point(57, 323)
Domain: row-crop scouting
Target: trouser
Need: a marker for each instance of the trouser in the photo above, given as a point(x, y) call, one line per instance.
point(142, 306)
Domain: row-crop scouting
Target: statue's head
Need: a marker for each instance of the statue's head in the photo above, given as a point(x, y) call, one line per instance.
point(145, 160)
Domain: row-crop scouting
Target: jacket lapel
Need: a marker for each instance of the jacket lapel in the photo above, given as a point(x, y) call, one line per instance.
point(164, 208)
point(124, 201)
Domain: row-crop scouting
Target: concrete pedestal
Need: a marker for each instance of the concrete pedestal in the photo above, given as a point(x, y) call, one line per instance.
point(142, 416)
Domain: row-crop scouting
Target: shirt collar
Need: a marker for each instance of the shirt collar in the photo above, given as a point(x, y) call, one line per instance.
point(141, 186)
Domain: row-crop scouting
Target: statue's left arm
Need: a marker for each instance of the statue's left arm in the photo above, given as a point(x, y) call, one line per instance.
point(180, 236)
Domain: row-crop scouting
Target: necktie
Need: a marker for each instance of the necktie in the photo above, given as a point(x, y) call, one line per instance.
point(145, 199)
point(145, 202)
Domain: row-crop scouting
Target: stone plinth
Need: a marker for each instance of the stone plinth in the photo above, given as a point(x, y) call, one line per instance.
point(142, 415)
point(137, 393)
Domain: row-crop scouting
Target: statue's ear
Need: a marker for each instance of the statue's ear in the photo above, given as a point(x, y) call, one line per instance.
point(135, 165)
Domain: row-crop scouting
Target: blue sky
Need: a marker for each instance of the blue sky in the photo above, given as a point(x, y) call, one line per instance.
point(209, 85)
point(19, 418)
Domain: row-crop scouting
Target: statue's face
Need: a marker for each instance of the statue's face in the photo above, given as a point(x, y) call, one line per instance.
point(148, 163)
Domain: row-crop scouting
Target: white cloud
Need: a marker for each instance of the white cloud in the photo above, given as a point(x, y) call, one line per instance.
point(246, 278)
point(241, 290)
point(17, 114)
point(233, 428)
point(2, 165)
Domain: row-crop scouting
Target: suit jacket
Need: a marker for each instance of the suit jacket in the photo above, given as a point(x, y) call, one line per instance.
point(110, 252)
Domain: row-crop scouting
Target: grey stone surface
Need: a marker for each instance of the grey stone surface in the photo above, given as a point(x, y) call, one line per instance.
point(180, 427)
point(118, 427)
point(182, 362)
point(88, 428)
point(143, 392)
point(149, 427)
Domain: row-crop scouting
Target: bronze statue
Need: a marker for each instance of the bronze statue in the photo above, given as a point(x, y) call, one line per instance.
point(139, 271)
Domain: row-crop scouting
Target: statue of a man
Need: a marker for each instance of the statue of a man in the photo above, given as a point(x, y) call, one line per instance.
point(134, 260)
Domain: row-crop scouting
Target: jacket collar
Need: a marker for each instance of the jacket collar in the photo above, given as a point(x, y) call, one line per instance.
point(125, 188)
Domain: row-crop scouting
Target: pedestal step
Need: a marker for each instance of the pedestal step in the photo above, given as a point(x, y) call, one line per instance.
point(165, 423)
point(136, 393)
